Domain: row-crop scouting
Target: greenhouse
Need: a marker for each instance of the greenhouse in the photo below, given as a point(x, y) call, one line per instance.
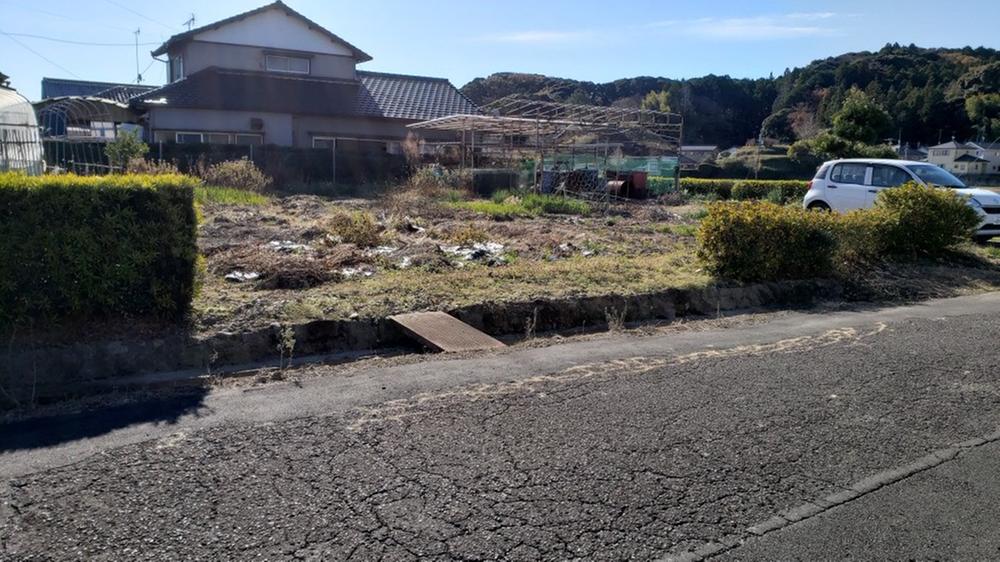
point(593, 152)
point(20, 143)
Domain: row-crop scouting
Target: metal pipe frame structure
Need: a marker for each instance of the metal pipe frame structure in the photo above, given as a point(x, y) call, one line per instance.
point(518, 124)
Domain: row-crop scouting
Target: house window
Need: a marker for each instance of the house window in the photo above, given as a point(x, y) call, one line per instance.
point(188, 138)
point(217, 138)
point(283, 63)
point(176, 68)
point(324, 142)
point(247, 140)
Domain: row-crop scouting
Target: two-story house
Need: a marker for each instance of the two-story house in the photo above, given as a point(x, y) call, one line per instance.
point(965, 158)
point(989, 151)
point(272, 76)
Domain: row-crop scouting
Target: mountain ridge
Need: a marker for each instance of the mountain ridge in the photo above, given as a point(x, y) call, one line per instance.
point(924, 89)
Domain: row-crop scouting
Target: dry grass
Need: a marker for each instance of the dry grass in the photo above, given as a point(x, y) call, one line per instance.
point(395, 291)
point(359, 228)
point(279, 270)
point(638, 248)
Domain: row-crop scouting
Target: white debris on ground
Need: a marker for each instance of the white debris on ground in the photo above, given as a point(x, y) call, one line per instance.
point(380, 251)
point(287, 246)
point(360, 271)
point(477, 251)
point(242, 276)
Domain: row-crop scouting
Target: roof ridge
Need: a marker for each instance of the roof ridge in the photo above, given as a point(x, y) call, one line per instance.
point(277, 4)
point(397, 75)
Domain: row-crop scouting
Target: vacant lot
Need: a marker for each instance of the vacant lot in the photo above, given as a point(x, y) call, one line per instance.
point(304, 257)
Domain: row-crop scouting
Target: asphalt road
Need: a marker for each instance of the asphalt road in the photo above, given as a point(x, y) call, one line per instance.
point(947, 513)
point(617, 449)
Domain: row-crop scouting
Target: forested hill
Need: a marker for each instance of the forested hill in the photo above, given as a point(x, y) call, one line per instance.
point(924, 90)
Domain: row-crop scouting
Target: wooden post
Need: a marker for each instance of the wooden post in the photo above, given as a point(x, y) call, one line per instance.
point(333, 157)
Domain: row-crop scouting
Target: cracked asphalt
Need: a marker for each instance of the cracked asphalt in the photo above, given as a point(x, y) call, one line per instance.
point(612, 449)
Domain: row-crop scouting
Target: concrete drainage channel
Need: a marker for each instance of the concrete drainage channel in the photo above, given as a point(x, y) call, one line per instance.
point(73, 369)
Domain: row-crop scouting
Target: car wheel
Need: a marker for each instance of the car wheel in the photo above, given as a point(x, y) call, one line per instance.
point(818, 206)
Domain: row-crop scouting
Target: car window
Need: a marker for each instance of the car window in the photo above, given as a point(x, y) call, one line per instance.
point(934, 175)
point(821, 173)
point(889, 176)
point(849, 173)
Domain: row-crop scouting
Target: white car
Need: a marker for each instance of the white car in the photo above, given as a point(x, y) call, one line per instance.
point(844, 185)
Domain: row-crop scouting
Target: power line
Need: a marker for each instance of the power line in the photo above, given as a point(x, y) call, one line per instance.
point(75, 17)
point(148, 66)
point(40, 55)
point(141, 15)
point(72, 42)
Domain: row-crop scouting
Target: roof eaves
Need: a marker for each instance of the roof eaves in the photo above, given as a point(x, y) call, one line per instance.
point(360, 55)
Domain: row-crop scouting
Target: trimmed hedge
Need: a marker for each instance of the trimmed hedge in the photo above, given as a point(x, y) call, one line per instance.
point(786, 190)
point(762, 241)
point(96, 246)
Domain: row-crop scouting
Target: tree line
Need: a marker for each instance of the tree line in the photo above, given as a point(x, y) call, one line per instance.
point(928, 95)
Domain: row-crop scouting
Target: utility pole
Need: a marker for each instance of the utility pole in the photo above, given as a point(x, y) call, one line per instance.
point(138, 74)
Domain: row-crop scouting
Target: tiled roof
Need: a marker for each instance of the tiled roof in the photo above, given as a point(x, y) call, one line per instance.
point(390, 96)
point(61, 87)
point(418, 98)
point(238, 90)
point(970, 158)
point(953, 145)
point(359, 55)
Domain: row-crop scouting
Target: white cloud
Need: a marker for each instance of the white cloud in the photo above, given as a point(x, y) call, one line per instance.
point(538, 37)
point(757, 28)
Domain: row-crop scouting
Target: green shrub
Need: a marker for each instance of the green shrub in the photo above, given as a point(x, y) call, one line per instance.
point(658, 185)
point(924, 220)
point(98, 246)
point(236, 174)
point(358, 228)
point(776, 196)
point(758, 241)
point(708, 188)
point(126, 146)
point(744, 190)
point(787, 190)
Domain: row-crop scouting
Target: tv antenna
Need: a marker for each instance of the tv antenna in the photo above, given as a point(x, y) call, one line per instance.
point(190, 22)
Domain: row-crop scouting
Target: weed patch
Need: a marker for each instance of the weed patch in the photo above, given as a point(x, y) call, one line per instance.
point(227, 196)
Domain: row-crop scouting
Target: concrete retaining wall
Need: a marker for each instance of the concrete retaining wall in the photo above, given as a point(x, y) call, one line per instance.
point(54, 371)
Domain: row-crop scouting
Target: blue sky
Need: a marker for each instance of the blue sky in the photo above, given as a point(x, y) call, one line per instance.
point(463, 39)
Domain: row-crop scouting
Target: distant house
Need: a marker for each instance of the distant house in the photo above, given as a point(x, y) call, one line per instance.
point(699, 154)
point(272, 76)
point(989, 151)
point(907, 152)
point(966, 158)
